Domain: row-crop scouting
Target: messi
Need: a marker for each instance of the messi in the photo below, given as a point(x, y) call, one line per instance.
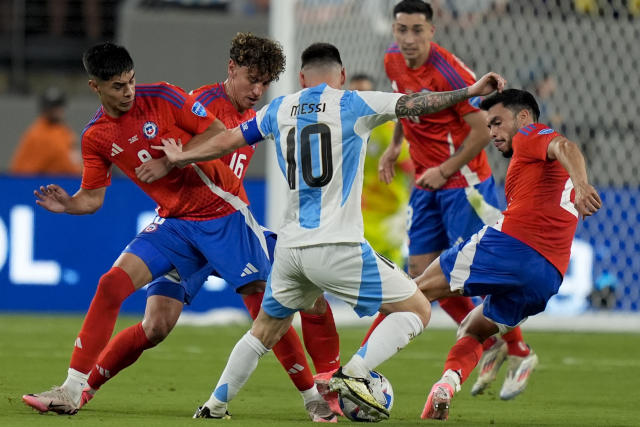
point(308, 109)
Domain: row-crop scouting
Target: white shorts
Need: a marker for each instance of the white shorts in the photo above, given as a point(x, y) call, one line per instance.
point(353, 272)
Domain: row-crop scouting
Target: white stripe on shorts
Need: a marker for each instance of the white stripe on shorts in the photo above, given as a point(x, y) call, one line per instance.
point(462, 267)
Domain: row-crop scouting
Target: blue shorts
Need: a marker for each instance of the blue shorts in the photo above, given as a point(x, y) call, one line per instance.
point(516, 280)
point(171, 285)
point(440, 219)
point(234, 246)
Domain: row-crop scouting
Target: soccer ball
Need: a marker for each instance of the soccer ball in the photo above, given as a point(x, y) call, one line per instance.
point(382, 391)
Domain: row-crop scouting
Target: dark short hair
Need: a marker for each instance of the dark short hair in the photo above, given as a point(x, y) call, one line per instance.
point(515, 100)
point(52, 97)
point(320, 54)
point(361, 76)
point(258, 53)
point(414, 6)
point(106, 60)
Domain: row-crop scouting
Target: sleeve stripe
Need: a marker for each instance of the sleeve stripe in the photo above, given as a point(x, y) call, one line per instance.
point(393, 48)
point(165, 88)
point(157, 90)
point(163, 96)
point(450, 73)
point(207, 97)
point(95, 118)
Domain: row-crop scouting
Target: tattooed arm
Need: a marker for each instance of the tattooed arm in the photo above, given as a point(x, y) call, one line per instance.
point(418, 104)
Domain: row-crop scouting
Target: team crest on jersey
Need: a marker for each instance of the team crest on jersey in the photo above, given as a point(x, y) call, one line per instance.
point(199, 110)
point(545, 131)
point(150, 130)
point(151, 228)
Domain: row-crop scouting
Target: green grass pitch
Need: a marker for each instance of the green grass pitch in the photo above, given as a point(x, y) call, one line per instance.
point(582, 380)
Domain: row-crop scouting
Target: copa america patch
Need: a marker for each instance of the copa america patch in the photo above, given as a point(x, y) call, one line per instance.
point(546, 131)
point(151, 228)
point(150, 130)
point(199, 110)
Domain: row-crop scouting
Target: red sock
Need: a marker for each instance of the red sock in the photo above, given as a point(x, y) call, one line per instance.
point(486, 345)
point(321, 340)
point(515, 343)
point(457, 307)
point(375, 323)
point(288, 350)
point(122, 351)
point(463, 357)
point(113, 288)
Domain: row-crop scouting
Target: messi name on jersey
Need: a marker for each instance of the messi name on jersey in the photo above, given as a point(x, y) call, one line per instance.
point(299, 109)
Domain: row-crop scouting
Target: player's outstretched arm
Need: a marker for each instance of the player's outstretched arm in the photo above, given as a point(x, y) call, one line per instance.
point(587, 200)
point(418, 104)
point(387, 162)
point(55, 199)
point(204, 149)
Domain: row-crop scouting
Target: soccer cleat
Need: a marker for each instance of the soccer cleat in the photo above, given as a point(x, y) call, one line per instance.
point(322, 384)
point(320, 412)
point(205, 412)
point(518, 373)
point(489, 365)
point(86, 396)
point(437, 406)
point(359, 392)
point(57, 400)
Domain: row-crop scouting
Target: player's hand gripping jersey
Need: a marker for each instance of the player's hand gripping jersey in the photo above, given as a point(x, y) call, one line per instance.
point(197, 192)
point(215, 99)
point(320, 136)
point(433, 138)
point(540, 195)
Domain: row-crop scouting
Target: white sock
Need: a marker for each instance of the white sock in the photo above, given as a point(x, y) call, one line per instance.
point(310, 395)
point(391, 335)
point(243, 360)
point(75, 382)
point(452, 378)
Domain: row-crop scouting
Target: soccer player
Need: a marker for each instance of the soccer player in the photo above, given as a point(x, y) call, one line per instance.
point(203, 224)
point(320, 135)
point(254, 62)
point(454, 195)
point(518, 262)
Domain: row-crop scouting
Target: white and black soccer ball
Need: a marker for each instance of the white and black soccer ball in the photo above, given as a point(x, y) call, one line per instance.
point(382, 391)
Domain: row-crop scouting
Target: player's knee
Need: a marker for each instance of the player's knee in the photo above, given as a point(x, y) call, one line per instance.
point(114, 287)
point(157, 328)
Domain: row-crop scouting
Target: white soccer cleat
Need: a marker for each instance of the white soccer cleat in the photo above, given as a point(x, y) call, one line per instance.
point(320, 412)
point(358, 391)
point(205, 412)
point(57, 400)
point(520, 368)
point(489, 365)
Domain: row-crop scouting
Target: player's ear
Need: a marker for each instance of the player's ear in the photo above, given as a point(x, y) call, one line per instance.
point(94, 86)
point(301, 79)
point(231, 67)
point(343, 76)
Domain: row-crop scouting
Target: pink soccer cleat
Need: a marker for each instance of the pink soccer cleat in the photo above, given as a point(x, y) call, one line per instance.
point(57, 400)
point(322, 383)
point(437, 406)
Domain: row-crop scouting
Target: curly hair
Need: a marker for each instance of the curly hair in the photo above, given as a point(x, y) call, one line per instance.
point(258, 53)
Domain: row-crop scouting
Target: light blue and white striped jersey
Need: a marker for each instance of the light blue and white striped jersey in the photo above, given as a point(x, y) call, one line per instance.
point(320, 136)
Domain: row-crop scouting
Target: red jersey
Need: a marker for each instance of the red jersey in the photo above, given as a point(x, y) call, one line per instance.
point(197, 192)
point(217, 102)
point(540, 195)
point(433, 138)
